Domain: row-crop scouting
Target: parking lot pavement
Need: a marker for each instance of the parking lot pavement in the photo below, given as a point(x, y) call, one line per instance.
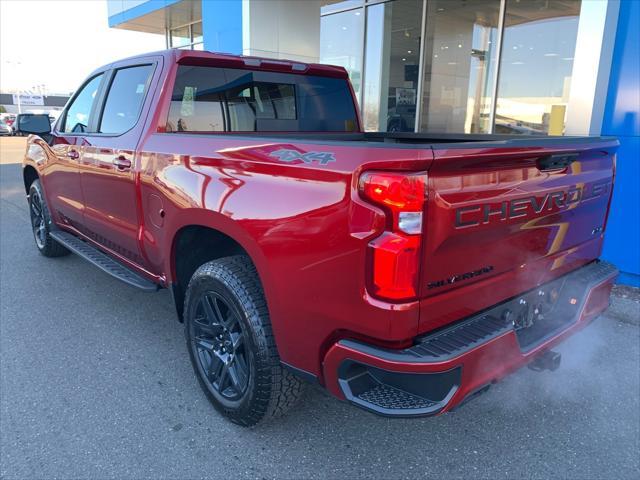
point(95, 381)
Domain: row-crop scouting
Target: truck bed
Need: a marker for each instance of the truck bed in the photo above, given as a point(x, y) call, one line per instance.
point(421, 140)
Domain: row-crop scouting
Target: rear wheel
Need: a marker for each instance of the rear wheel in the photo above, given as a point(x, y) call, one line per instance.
point(231, 344)
point(41, 223)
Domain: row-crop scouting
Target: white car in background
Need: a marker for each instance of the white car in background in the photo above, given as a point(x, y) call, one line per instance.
point(5, 129)
point(9, 120)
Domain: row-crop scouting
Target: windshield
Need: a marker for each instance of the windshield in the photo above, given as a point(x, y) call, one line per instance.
point(210, 99)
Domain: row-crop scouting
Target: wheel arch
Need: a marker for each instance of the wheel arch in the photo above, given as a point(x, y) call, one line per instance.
point(29, 175)
point(196, 243)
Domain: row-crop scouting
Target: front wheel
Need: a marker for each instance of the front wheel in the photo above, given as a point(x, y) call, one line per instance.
point(231, 344)
point(41, 223)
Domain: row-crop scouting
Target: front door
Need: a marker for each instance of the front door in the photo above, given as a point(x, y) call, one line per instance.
point(108, 167)
point(63, 189)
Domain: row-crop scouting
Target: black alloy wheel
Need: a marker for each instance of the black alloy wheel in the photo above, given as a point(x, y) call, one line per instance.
point(38, 222)
point(218, 341)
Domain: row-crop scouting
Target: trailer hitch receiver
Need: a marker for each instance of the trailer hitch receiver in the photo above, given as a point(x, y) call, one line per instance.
point(548, 360)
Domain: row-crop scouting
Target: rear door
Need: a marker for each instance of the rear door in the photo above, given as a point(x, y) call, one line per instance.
point(531, 208)
point(108, 168)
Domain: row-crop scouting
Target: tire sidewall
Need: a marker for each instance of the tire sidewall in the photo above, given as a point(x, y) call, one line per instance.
point(201, 283)
point(51, 248)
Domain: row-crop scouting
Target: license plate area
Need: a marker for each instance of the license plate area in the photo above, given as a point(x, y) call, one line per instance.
point(545, 311)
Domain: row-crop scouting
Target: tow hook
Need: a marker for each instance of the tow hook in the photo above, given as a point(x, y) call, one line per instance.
point(548, 360)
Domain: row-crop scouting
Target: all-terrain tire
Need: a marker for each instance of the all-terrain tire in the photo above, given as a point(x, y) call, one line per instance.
point(42, 224)
point(231, 285)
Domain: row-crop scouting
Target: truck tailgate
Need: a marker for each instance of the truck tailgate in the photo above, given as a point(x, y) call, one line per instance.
point(496, 208)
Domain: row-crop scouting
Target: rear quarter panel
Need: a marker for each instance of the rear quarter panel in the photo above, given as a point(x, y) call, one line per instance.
point(301, 223)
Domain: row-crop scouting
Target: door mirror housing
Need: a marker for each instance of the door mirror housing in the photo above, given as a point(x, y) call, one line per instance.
point(35, 123)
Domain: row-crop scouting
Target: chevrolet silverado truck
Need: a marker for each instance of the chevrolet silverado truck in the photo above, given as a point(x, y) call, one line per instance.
point(403, 272)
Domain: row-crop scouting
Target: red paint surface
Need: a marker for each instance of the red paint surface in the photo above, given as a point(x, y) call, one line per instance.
point(307, 230)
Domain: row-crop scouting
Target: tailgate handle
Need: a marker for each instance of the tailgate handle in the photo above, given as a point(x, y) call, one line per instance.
point(556, 162)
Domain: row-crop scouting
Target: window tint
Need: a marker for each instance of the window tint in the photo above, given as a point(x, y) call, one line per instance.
point(125, 98)
point(77, 118)
point(208, 99)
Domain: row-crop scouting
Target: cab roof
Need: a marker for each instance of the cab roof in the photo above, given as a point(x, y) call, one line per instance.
point(215, 59)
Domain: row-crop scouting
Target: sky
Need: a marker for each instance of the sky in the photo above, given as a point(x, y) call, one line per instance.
point(58, 43)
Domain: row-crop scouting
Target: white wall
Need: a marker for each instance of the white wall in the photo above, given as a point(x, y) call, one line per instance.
point(591, 67)
point(287, 29)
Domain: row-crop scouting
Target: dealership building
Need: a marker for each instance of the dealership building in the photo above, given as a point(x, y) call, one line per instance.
point(15, 103)
point(541, 67)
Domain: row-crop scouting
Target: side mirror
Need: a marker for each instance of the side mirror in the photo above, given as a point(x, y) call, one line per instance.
point(37, 124)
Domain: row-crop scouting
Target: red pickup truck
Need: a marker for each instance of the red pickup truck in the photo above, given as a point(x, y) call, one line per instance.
point(405, 273)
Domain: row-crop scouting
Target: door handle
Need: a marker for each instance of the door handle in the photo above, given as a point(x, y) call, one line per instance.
point(73, 154)
point(122, 163)
point(556, 162)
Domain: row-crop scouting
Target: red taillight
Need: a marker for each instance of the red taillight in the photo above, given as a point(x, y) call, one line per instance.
point(395, 254)
point(394, 190)
point(395, 265)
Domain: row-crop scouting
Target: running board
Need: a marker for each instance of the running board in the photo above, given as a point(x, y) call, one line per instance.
point(103, 261)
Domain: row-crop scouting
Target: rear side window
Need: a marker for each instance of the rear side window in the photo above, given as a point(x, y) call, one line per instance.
point(76, 119)
point(210, 99)
point(124, 100)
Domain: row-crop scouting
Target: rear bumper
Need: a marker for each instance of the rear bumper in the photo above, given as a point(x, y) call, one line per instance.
point(443, 369)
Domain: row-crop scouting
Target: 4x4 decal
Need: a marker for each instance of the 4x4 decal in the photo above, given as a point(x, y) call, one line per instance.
point(284, 155)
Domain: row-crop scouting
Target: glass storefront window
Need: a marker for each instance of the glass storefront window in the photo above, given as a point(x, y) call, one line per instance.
point(537, 59)
point(180, 37)
point(330, 6)
point(341, 37)
point(471, 77)
point(188, 37)
point(391, 66)
point(196, 33)
point(459, 65)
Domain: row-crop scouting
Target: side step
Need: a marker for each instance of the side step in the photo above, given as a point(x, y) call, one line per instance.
point(397, 394)
point(102, 261)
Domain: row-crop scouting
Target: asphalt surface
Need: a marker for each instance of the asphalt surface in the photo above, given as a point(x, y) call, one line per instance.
point(95, 381)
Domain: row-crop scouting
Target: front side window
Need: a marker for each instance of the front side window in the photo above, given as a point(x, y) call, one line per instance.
point(209, 99)
point(77, 117)
point(124, 101)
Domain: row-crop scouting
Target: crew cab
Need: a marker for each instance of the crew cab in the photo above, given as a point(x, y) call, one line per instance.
point(403, 272)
